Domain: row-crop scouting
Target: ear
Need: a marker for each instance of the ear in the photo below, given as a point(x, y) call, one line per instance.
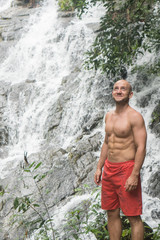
point(130, 95)
point(112, 93)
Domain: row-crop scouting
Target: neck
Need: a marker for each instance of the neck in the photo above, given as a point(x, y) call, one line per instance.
point(120, 108)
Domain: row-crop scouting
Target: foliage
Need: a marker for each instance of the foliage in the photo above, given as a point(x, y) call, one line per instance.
point(156, 235)
point(126, 233)
point(89, 218)
point(83, 5)
point(2, 191)
point(65, 5)
point(126, 31)
point(150, 69)
point(155, 116)
point(23, 204)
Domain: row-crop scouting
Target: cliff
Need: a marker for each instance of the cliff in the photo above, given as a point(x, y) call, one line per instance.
point(52, 112)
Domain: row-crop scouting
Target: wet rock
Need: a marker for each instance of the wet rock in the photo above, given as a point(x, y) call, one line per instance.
point(24, 2)
point(144, 97)
point(59, 182)
point(4, 47)
point(6, 236)
point(93, 122)
point(66, 14)
point(103, 93)
point(54, 117)
point(155, 214)
point(64, 169)
point(4, 131)
point(155, 121)
point(3, 136)
point(12, 22)
point(154, 184)
point(144, 100)
point(94, 26)
point(82, 156)
point(143, 80)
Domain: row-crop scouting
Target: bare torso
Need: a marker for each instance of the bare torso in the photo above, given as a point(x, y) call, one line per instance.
point(119, 136)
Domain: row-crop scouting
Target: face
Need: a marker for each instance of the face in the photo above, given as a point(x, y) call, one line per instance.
point(122, 91)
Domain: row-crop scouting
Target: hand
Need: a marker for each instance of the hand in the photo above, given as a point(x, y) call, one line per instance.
point(97, 177)
point(131, 183)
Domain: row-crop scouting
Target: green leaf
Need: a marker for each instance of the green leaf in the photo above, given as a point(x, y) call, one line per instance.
point(31, 165)
point(36, 205)
point(42, 223)
point(16, 203)
point(2, 193)
point(35, 176)
point(120, 41)
point(86, 186)
point(43, 176)
point(78, 190)
point(38, 165)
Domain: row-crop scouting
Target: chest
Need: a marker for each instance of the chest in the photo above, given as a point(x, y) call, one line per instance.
point(119, 126)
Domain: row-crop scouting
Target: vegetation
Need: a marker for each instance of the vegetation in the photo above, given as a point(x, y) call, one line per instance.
point(88, 217)
point(127, 30)
point(155, 121)
point(66, 5)
point(41, 219)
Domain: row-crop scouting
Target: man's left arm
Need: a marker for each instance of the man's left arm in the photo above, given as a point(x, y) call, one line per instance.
point(140, 137)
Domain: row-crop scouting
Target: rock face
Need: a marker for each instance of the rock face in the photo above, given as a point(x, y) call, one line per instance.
point(67, 124)
point(3, 124)
point(155, 122)
point(12, 22)
point(64, 168)
point(25, 2)
point(154, 184)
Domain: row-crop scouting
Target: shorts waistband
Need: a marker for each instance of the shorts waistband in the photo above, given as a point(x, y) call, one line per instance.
point(119, 163)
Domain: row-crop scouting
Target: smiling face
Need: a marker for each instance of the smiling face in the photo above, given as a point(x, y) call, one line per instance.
point(122, 91)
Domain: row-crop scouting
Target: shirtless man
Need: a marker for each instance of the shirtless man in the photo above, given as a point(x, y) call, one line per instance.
point(122, 156)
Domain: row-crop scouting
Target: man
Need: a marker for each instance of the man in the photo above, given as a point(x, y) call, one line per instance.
point(122, 156)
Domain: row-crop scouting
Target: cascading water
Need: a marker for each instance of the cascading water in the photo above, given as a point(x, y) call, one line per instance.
point(151, 163)
point(4, 4)
point(39, 58)
point(38, 68)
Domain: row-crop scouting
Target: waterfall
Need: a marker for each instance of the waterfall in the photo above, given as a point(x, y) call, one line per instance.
point(4, 4)
point(151, 163)
point(49, 56)
point(43, 57)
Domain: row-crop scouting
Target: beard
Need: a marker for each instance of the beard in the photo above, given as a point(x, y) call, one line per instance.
point(121, 101)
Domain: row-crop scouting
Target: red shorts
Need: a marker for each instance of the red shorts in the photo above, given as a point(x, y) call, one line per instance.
point(113, 192)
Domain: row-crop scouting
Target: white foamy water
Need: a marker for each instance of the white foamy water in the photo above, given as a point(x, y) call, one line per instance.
point(38, 64)
point(4, 4)
point(151, 163)
point(44, 55)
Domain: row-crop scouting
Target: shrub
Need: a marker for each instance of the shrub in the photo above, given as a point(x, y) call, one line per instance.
point(66, 5)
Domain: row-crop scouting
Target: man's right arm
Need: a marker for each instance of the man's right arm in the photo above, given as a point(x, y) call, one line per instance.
point(103, 156)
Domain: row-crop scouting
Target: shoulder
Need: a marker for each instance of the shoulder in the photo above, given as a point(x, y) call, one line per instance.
point(108, 115)
point(135, 117)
